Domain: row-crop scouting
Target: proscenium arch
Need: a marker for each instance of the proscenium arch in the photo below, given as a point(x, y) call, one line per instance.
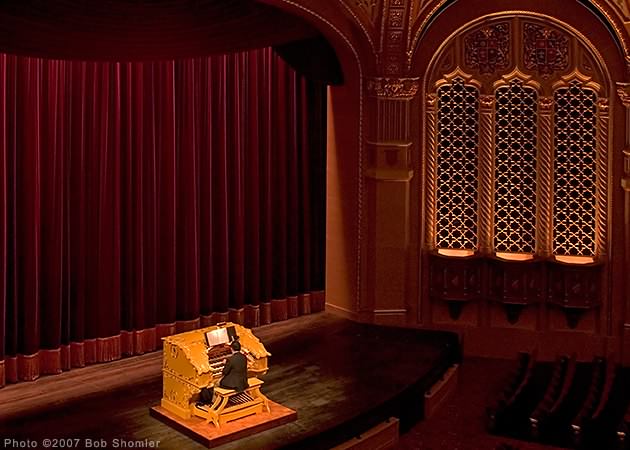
point(342, 43)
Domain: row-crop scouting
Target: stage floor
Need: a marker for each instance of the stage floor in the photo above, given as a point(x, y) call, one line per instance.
point(340, 376)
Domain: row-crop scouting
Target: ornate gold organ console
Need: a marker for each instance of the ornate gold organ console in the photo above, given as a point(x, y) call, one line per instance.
point(190, 365)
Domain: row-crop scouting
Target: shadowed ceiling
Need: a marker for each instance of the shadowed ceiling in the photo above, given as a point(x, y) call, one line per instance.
point(142, 30)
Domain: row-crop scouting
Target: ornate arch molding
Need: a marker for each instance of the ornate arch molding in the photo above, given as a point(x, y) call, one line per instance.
point(616, 14)
point(515, 36)
point(348, 26)
point(324, 20)
point(597, 58)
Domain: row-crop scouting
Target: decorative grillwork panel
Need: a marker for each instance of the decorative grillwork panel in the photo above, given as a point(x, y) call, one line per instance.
point(546, 50)
point(457, 160)
point(575, 165)
point(488, 49)
point(515, 168)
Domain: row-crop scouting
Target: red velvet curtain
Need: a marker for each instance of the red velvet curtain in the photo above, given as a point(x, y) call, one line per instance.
point(143, 199)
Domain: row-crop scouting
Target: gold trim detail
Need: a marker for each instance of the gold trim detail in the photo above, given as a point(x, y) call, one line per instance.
point(393, 88)
point(516, 74)
point(576, 75)
point(512, 14)
point(601, 233)
point(370, 7)
point(358, 21)
point(620, 31)
point(486, 162)
point(623, 91)
point(458, 73)
point(545, 176)
point(412, 43)
point(431, 161)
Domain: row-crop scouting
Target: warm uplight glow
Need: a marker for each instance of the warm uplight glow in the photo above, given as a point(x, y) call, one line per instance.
point(515, 256)
point(456, 253)
point(575, 259)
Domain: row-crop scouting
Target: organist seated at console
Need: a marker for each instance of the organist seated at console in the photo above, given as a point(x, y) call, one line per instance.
point(234, 375)
point(195, 360)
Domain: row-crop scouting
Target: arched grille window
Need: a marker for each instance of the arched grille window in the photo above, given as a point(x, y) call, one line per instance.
point(458, 137)
point(517, 127)
point(515, 168)
point(575, 171)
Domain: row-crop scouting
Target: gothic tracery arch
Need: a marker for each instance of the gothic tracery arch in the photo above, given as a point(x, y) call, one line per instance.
point(537, 80)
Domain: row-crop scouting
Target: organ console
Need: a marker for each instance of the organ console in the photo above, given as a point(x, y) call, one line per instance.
point(195, 359)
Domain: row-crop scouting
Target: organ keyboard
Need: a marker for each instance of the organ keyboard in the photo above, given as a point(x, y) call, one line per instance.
point(190, 364)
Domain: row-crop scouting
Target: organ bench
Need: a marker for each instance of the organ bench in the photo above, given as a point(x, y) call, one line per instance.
point(231, 405)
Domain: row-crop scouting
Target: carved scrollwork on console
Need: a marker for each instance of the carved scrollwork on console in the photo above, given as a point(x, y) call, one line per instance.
point(393, 88)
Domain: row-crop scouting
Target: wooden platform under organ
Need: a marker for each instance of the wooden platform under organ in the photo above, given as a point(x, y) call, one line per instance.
point(197, 428)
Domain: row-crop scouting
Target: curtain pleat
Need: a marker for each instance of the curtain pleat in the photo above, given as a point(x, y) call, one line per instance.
point(143, 199)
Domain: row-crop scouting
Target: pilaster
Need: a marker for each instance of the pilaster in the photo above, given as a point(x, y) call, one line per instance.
point(623, 90)
point(388, 178)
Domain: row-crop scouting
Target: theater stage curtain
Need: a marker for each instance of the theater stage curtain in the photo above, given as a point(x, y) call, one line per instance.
point(142, 199)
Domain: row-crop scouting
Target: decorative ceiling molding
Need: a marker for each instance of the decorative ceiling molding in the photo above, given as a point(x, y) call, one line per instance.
point(370, 7)
point(365, 14)
point(622, 7)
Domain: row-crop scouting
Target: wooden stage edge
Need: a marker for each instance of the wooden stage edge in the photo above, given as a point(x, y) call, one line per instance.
point(208, 435)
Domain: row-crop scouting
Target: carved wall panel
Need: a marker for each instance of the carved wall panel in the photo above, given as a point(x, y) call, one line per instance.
point(545, 49)
point(393, 36)
point(488, 49)
point(455, 282)
point(515, 285)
